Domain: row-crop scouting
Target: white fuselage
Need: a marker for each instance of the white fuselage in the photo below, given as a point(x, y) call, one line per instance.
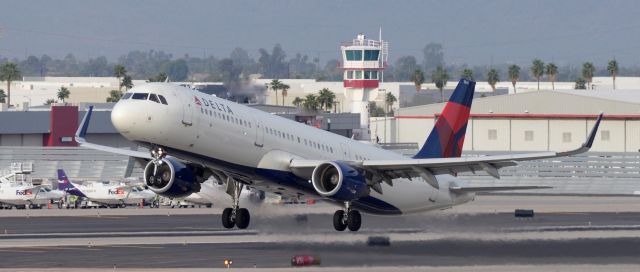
point(18, 194)
point(113, 194)
point(250, 143)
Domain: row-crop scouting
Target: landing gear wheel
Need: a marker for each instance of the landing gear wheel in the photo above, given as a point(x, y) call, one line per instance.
point(122, 204)
point(338, 220)
point(354, 220)
point(227, 220)
point(242, 218)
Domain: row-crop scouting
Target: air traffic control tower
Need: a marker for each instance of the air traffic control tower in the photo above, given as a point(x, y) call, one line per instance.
point(363, 63)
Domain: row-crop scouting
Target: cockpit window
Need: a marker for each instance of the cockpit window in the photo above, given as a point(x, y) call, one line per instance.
point(126, 96)
point(140, 96)
point(164, 101)
point(154, 98)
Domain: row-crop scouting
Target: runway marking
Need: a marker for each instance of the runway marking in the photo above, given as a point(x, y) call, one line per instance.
point(70, 248)
point(127, 246)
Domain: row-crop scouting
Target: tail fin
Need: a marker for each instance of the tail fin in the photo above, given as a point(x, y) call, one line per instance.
point(64, 184)
point(447, 137)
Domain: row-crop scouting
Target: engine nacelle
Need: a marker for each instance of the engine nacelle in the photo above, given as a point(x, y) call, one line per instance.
point(339, 181)
point(172, 178)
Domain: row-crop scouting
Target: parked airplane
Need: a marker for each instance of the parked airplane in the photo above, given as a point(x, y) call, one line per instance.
point(106, 194)
point(192, 136)
point(22, 195)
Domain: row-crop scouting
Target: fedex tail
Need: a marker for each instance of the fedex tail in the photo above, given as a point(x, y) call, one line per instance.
point(447, 137)
point(64, 184)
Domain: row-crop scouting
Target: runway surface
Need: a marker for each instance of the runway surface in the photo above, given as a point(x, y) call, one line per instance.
point(195, 239)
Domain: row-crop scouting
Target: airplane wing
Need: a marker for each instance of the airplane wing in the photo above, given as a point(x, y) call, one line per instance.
point(82, 132)
point(386, 170)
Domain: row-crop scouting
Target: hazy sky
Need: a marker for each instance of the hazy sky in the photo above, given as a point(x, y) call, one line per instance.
point(473, 32)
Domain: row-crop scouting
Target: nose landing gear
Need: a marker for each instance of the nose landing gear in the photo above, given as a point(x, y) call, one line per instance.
point(347, 219)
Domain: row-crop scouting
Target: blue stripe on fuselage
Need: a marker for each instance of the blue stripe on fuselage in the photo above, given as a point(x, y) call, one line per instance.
point(367, 204)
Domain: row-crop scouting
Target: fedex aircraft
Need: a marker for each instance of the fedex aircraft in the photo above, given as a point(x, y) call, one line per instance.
point(111, 195)
point(27, 195)
point(192, 136)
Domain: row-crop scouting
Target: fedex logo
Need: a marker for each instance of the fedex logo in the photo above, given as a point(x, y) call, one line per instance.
point(115, 191)
point(24, 192)
point(213, 105)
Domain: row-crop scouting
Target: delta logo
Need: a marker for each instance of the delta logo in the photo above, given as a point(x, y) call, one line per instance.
point(116, 192)
point(197, 101)
point(24, 192)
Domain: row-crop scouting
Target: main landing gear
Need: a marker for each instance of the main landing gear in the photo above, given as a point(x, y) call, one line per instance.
point(347, 219)
point(235, 216)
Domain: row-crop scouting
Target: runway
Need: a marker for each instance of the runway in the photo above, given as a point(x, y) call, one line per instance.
point(194, 238)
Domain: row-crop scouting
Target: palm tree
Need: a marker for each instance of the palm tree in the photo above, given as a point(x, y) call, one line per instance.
point(537, 69)
point(297, 101)
point(114, 96)
point(581, 84)
point(440, 78)
point(467, 74)
point(514, 75)
point(326, 98)
point(63, 93)
point(119, 71)
point(127, 82)
point(418, 78)
point(9, 72)
point(3, 96)
point(311, 102)
point(49, 102)
point(389, 100)
point(552, 71)
point(493, 78)
point(275, 85)
point(284, 88)
point(587, 72)
point(612, 67)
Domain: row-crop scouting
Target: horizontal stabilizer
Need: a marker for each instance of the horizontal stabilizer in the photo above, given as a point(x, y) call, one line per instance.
point(471, 189)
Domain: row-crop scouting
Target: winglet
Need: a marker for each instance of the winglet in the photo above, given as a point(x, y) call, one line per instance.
point(587, 144)
point(84, 125)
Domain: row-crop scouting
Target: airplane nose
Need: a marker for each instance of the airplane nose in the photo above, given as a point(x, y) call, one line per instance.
point(121, 117)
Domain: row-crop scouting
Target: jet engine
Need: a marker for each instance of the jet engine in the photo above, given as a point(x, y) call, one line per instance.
point(339, 181)
point(170, 178)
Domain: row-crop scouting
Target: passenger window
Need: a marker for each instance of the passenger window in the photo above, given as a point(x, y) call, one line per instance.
point(154, 98)
point(140, 96)
point(164, 101)
point(126, 96)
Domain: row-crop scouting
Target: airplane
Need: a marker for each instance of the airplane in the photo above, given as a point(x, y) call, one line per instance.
point(192, 136)
point(27, 196)
point(105, 194)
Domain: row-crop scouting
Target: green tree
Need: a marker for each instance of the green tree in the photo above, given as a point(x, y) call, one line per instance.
point(612, 67)
point(440, 76)
point(581, 84)
point(114, 96)
point(160, 77)
point(514, 75)
point(552, 71)
point(9, 72)
point(297, 101)
point(285, 91)
point(127, 82)
point(119, 71)
point(3, 96)
point(389, 99)
point(49, 101)
point(311, 103)
point(418, 78)
point(537, 69)
point(178, 70)
point(587, 73)
point(467, 74)
point(326, 98)
point(404, 68)
point(433, 56)
point(63, 93)
point(493, 78)
point(375, 110)
point(275, 85)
